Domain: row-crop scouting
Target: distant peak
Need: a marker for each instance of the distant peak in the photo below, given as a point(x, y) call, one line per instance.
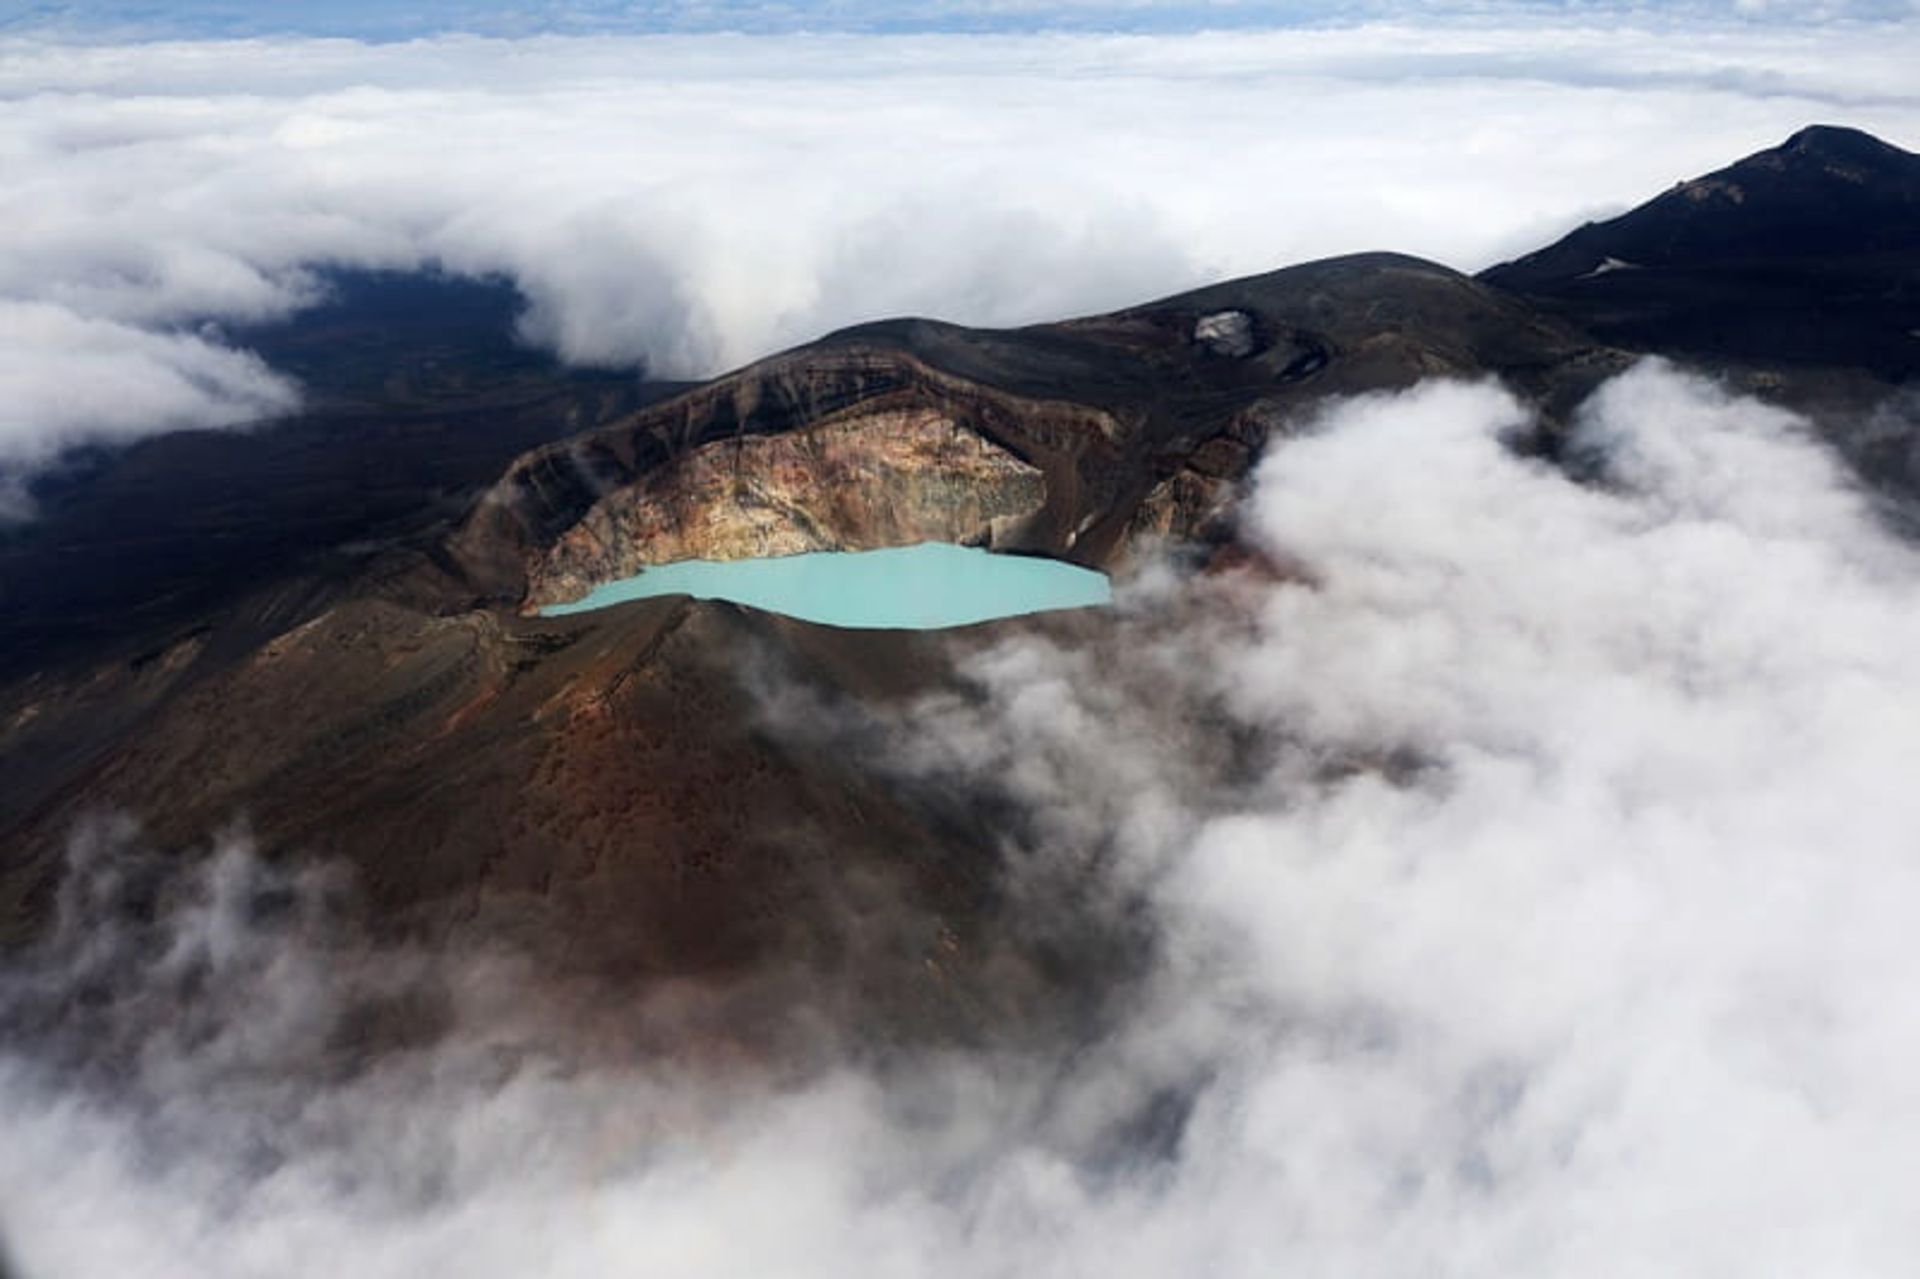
point(1826, 193)
point(1832, 141)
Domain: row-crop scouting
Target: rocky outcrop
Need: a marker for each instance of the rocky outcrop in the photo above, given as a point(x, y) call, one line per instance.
point(856, 481)
point(1078, 440)
point(875, 447)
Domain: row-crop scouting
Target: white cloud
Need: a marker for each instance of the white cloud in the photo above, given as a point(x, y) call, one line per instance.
point(1533, 879)
point(66, 378)
point(697, 201)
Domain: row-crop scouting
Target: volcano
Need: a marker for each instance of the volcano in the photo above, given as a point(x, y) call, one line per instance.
point(331, 628)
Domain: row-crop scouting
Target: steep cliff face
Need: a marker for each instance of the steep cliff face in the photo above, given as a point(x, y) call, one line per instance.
point(1078, 440)
point(847, 445)
point(855, 481)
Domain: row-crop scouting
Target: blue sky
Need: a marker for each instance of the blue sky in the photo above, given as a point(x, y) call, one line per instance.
point(373, 20)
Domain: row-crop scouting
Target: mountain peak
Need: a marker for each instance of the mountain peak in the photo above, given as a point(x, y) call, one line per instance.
point(1825, 156)
point(1826, 190)
point(1802, 253)
point(1838, 142)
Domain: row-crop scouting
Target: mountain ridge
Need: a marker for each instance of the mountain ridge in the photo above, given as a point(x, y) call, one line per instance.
point(1147, 405)
point(1803, 255)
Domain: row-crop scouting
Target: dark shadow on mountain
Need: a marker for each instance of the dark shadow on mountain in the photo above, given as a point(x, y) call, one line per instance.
point(417, 395)
point(1803, 255)
point(400, 337)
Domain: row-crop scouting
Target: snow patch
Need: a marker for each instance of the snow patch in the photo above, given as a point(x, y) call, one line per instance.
point(1228, 333)
point(1608, 266)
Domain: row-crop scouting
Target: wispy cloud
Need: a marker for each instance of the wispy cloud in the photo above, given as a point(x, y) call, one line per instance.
point(690, 202)
point(65, 376)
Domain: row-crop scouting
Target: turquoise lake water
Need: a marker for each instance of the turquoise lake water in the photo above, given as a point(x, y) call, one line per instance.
point(924, 587)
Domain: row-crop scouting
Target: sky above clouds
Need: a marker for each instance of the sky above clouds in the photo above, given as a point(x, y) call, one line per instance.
point(687, 202)
point(364, 19)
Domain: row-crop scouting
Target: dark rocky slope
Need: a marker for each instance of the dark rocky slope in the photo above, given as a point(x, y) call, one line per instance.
point(416, 395)
point(1804, 256)
point(1795, 273)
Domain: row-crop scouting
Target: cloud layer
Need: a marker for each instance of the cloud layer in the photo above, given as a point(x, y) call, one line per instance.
point(1533, 876)
point(690, 203)
point(119, 380)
